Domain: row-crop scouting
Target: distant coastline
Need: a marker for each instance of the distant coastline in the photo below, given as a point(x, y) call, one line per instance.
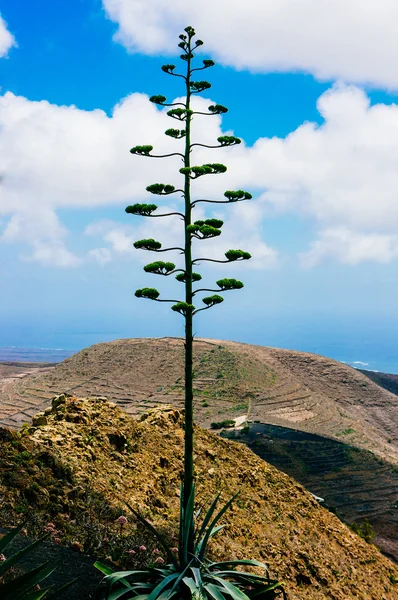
point(34, 355)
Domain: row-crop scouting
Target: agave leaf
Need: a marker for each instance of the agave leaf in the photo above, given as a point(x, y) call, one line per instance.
point(212, 526)
point(232, 590)
point(120, 577)
point(214, 591)
point(207, 518)
point(215, 530)
point(160, 587)
point(180, 576)
point(245, 575)
point(55, 595)
point(4, 566)
point(117, 594)
point(190, 583)
point(211, 534)
point(269, 588)
point(6, 539)
point(243, 561)
point(18, 586)
point(106, 569)
point(38, 594)
point(197, 576)
point(157, 534)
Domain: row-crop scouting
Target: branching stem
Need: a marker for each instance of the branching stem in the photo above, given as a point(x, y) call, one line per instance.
point(216, 201)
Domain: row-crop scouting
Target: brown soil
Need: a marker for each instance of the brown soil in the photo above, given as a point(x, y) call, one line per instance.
point(92, 444)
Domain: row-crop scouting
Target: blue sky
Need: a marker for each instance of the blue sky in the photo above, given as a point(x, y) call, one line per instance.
point(313, 101)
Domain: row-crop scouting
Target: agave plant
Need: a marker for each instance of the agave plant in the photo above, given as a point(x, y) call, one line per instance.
point(27, 585)
point(190, 575)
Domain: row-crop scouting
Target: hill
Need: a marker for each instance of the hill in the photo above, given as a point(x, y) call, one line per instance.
point(388, 381)
point(281, 387)
point(77, 464)
point(352, 462)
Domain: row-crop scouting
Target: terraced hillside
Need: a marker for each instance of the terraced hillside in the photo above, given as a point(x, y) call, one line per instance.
point(293, 390)
point(88, 450)
point(353, 483)
point(279, 387)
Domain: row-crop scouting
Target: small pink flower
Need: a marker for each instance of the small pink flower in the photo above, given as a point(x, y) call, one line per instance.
point(156, 551)
point(37, 588)
point(159, 560)
point(121, 521)
point(142, 548)
point(50, 525)
point(2, 558)
point(105, 540)
point(57, 540)
point(174, 549)
point(131, 552)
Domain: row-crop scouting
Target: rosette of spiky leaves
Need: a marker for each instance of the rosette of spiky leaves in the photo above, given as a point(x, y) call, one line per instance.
point(159, 99)
point(217, 109)
point(229, 284)
point(23, 585)
point(229, 140)
point(236, 196)
point(199, 86)
point(160, 267)
point(149, 293)
point(175, 133)
point(145, 210)
point(203, 232)
point(141, 150)
point(233, 255)
point(192, 575)
point(212, 300)
point(149, 244)
point(183, 308)
point(179, 113)
point(208, 169)
point(183, 276)
point(168, 68)
point(160, 189)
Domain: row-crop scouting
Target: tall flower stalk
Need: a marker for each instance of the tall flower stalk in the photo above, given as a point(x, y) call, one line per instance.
point(192, 575)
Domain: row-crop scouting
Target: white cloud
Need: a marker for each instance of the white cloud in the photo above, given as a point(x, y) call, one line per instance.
point(40, 229)
point(343, 39)
point(343, 173)
point(7, 40)
point(102, 256)
point(351, 248)
point(342, 176)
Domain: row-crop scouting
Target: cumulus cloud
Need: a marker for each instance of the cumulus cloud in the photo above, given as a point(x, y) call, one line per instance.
point(57, 157)
point(343, 39)
point(342, 176)
point(7, 40)
point(101, 255)
point(350, 247)
point(40, 229)
point(343, 173)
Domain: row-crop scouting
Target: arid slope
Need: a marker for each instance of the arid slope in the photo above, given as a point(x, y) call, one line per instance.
point(89, 445)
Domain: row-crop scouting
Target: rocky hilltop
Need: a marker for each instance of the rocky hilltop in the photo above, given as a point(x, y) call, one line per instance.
point(84, 449)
